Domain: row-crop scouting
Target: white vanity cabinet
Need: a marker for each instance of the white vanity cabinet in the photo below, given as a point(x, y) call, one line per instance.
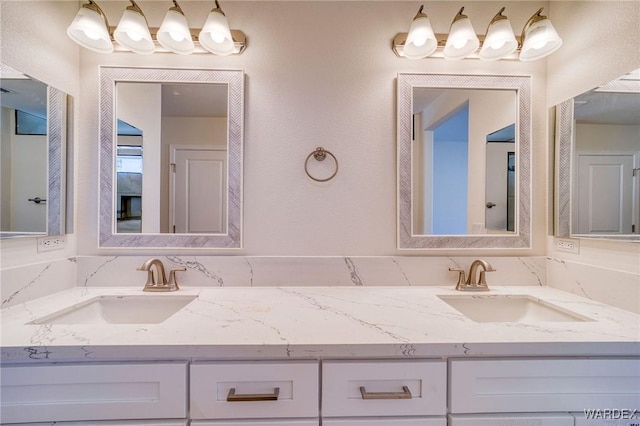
point(93, 391)
point(543, 385)
point(561, 419)
point(384, 393)
point(108, 423)
point(256, 393)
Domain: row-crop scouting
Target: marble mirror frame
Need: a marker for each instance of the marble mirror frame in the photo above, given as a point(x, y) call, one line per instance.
point(109, 76)
point(521, 239)
point(57, 155)
point(564, 139)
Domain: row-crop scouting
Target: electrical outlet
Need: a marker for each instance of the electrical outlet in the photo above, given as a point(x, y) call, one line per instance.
point(567, 245)
point(51, 243)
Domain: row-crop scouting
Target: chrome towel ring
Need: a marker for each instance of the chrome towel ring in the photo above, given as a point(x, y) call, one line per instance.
point(320, 154)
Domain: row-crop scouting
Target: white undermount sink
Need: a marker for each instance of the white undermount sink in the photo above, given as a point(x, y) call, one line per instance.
point(510, 308)
point(143, 309)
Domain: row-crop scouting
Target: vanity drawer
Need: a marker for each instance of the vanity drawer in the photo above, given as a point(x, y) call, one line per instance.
point(384, 388)
point(537, 385)
point(389, 421)
point(279, 422)
point(560, 419)
point(48, 393)
point(279, 390)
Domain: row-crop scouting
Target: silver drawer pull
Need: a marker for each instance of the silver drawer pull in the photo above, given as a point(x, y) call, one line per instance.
point(405, 394)
point(232, 397)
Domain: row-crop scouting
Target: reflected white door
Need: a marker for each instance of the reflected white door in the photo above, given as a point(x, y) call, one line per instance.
point(604, 194)
point(198, 198)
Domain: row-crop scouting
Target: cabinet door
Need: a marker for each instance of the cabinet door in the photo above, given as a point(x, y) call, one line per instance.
point(252, 390)
point(108, 423)
point(307, 422)
point(543, 385)
point(511, 420)
point(72, 392)
point(384, 388)
point(389, 421)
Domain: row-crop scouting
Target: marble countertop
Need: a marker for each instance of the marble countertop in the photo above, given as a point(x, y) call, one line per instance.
point(315, 322)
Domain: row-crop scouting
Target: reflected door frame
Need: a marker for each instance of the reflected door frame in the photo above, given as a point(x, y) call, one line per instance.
point(180, 221)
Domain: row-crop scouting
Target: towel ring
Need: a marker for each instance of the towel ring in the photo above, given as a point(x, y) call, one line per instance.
point(320, 154)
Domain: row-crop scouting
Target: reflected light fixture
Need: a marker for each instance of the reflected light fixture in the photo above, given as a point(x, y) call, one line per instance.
point(216, 35)
point(90, 29)
point(539, 38)
point(462, 40)
point(133, 31)
point(499, 42)
point(174, 33)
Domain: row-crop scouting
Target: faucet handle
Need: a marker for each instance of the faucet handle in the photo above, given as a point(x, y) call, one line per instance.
point(461, 277)
point(173, 281)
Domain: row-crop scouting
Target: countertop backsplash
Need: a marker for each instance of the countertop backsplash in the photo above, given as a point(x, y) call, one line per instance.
point(617, 288)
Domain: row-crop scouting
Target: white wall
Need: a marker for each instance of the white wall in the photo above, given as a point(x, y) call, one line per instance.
point(39, 47)
point(607, 137)
point(317, 74)
point(601, 42)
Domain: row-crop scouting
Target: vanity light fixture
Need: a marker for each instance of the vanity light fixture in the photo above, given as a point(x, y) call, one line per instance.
point(216, 35)
point(133, 31)
point(91, 30)
point(538, 40)
point(421, 41)
point(174, 33)
point(462, 40)
point(499, 42)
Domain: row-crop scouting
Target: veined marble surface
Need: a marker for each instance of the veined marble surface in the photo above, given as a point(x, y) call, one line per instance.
point(315, 322)
point(258, 271)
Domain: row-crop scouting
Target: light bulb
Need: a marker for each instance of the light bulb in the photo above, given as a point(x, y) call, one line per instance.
point(498, 44)
point(93, 35)
point(459, 44)
point(133, 35)
point(217, 37)
point(176, 36)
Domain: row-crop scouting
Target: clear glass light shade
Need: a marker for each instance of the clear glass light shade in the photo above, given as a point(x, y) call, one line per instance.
point(421, 41)
point(462, 40)
point(215, 35)
point(174, 33)
point(89, 30)
point(133, 33)
point(540, 40)
point(499, 41)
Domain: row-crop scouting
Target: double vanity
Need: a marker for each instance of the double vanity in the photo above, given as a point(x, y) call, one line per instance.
point(300, 355)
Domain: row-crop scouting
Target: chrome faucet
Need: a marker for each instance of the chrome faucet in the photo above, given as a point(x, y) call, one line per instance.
point(162, 284)
point(471, 283)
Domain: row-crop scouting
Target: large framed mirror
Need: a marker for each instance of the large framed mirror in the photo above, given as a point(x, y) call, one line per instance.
point(464, 161)
point(33, 140)
point(171, 147)
point(598, 162)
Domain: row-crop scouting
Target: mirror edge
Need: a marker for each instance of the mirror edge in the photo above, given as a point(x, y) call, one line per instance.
point(56, 162)
point(405, 84)
point(564, 165)
point(235, 79)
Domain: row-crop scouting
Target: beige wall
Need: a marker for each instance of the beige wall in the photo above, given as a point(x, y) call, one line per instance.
point(317, 74)
point(601, 42)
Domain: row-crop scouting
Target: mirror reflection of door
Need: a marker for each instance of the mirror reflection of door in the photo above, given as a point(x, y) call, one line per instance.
point(178, 119)
point(197, 194)
point(500, 180)
point(23, 155)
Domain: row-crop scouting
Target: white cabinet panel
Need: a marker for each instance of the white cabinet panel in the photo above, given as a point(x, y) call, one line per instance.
point(397, 388)
point(313, 422)
point(71, 392)
point(296, 383)
point(511, 420)
point(543, 385)
point(108, 423)
point(389, 421)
